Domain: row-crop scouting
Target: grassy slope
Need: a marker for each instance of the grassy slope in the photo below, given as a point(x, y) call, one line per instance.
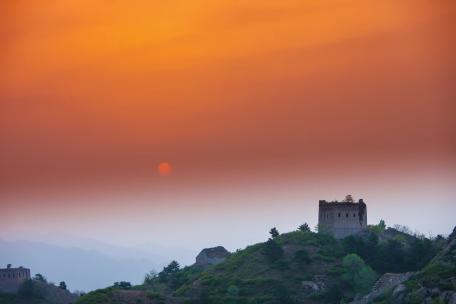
point(248, 271)
point(253, 274)
point(248, 276)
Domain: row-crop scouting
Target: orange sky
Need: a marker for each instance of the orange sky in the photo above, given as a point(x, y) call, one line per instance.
point(94, 94)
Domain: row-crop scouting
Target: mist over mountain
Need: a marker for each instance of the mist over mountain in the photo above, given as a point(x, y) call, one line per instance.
point(98, 264)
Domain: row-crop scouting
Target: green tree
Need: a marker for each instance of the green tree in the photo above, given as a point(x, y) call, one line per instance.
point(62, 285)
point(169, 271)
point(32, 289)
point(274, 232)
point(349, 198)
point(282, 294)
point(150, 277)
point(272, 250)
point(172, 267)
point(323, 229)
point(39, 277)
point(379, 228)
point(302, 257)
point(26, 289)
point(357, 274)
point(304, 227)
point(232, 291)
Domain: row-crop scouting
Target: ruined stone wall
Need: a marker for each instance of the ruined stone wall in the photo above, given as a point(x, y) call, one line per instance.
point(12, 278)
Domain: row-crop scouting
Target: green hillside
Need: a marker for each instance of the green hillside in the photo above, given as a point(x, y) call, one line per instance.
point(295, 267)
point(39, 292)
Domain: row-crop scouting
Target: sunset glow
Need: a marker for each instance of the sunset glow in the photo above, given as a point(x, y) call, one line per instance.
point(264, 107)
point(165, 169)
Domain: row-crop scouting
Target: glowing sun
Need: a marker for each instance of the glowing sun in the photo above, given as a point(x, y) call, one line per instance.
point(164, 169)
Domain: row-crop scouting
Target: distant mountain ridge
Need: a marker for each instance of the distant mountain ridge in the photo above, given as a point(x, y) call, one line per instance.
point(81, 269)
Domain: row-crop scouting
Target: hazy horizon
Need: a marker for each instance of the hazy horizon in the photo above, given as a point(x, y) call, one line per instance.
point(193, 124)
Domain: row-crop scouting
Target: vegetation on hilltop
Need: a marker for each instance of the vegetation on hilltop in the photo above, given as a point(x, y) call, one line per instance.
point(39, 291)
point(296, 267)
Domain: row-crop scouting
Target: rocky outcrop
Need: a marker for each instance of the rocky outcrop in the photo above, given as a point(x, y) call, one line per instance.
point(317, 284)
point(211, 256)
point(436, 283)
point(387, 282)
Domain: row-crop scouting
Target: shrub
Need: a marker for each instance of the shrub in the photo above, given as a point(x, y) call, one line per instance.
point(304, 227)
point(31, 289)
point(63, 285)
point(39, 277)
point(274, 232)
point(272, 250)
point(357, 274)
point(150, 277)
point(302, 257)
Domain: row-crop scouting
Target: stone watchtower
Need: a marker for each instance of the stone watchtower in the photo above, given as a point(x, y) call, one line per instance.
point(342, 219)
point(12, 278)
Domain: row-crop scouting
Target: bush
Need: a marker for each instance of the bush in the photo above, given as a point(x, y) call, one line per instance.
point(26, 289)
point(39, 277)
point(274, 232)
point(302, 257)
point(304, 227)
point(379, 228)
point(31, 289)
point(282, 295)
point(272, 250)
point(63, 285)
point(150, 277)
point(357, 274)
point(391, 255)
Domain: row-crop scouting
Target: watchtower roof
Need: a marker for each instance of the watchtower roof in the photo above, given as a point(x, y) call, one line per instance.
point(9, 269)
point(339, 203)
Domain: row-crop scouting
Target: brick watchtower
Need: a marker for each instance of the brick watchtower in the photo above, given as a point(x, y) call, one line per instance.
point(12, 278)
point(342, 219)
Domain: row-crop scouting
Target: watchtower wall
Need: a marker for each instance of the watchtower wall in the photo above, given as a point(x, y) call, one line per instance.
point(342, 219)
point(12, 278)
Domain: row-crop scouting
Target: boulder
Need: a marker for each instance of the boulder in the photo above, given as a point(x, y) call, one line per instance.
point(386, 282)
point(310, 285)
point(211, 256)
point(399, 290)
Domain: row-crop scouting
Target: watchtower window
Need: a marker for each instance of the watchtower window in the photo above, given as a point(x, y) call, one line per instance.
point(354, 215)
point(346, 215)
point(339, 214)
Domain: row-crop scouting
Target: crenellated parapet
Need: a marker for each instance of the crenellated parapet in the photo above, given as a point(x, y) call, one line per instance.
point(12, 278)
point(342, 218)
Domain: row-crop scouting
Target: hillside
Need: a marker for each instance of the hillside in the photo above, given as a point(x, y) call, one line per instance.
point(435, 283)
point(38, 292)
point(296, 267)
point(95, 269)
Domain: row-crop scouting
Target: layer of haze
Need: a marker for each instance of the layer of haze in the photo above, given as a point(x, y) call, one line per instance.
point(261, 107)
